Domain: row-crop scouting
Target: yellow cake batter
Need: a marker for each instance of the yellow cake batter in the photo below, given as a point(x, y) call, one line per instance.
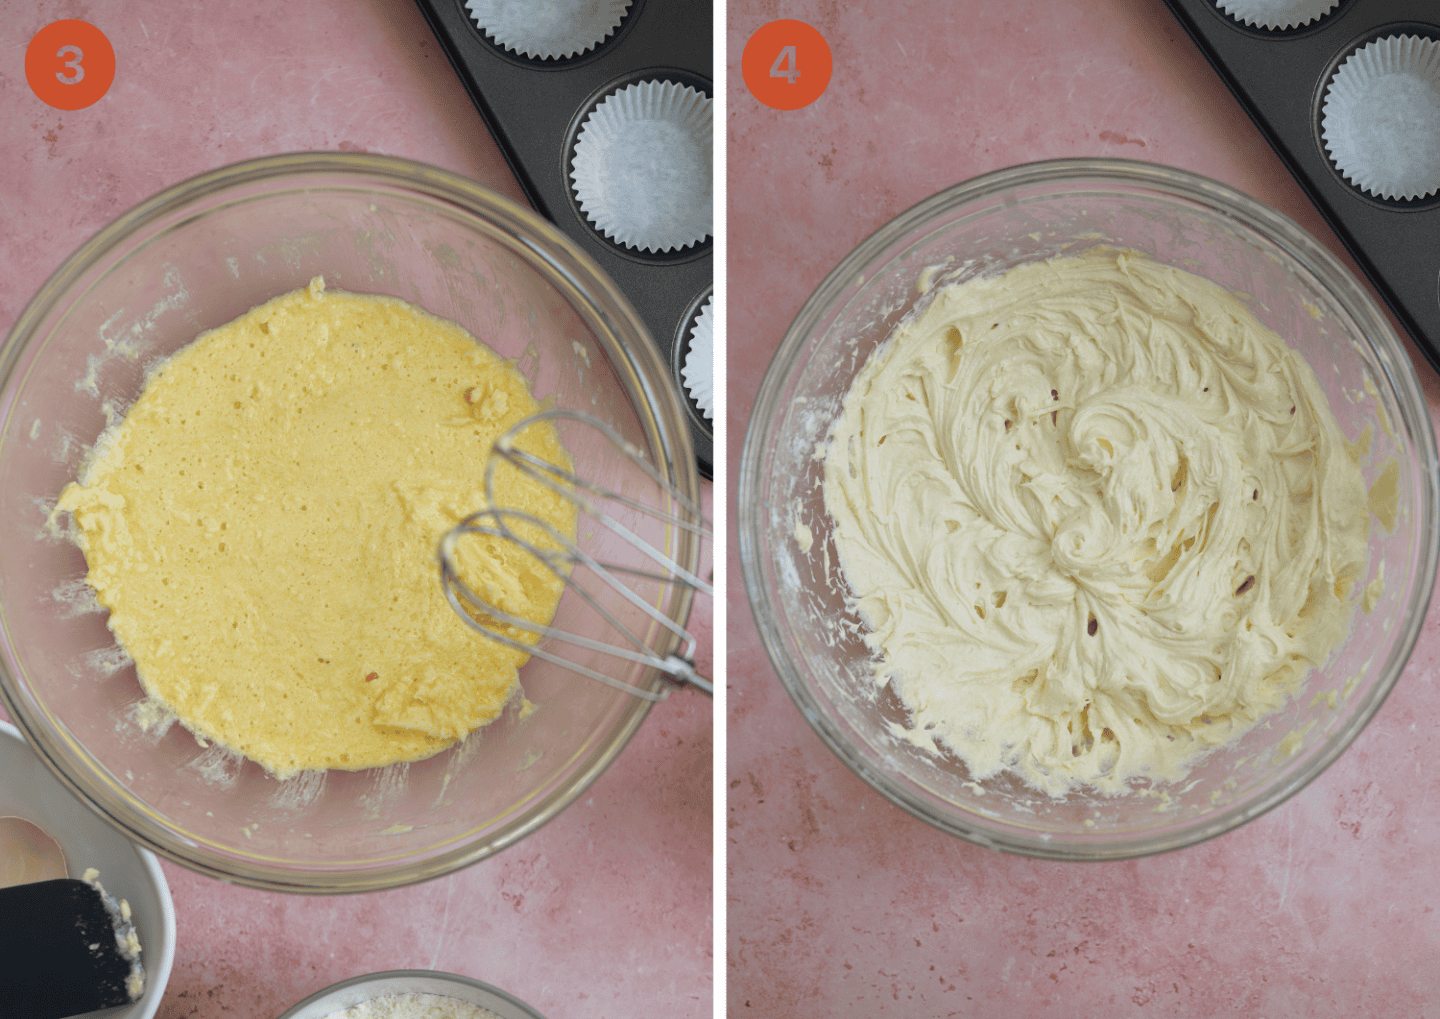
point(1098, 518)
point(262, 526)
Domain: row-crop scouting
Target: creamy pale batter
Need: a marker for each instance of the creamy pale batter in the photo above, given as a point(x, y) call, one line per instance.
point(1097, 518)
point(262, 526)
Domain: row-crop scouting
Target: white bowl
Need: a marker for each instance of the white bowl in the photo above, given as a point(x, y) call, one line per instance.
point(348, 993)
point(29, 790)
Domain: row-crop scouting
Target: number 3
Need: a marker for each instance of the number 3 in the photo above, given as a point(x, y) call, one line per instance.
point(780, 69)
point(73, 64)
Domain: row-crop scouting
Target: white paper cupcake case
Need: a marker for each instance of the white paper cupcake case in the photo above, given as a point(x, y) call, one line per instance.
point(1381, 117)
point(698, 371)
point(641, 172)
point(548, 29)
point(1277, 14)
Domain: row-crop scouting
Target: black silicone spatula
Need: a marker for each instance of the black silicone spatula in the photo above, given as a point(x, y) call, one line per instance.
point(64, 951)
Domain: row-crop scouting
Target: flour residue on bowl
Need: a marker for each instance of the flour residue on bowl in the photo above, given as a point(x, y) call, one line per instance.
point(107, 660)
point(129, 343)
point(300, 791)
point(218, 766)
point(76, 598)
point(151, 717)
point(388, 788)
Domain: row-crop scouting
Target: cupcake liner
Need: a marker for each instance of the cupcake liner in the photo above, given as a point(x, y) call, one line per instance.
point(548, 29)
point(1277, 14)
point(698, 371)
point(641, 172)
point(1381, 117)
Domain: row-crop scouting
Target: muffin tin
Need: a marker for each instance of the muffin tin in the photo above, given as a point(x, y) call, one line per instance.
point(1281, 77)
point(536, 109)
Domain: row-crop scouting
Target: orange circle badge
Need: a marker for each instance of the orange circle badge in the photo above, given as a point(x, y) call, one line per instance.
point(69, 64)
point(786, 64)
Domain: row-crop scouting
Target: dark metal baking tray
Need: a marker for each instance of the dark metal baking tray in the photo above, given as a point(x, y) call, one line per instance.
point(534, 109)
point(1279, 76)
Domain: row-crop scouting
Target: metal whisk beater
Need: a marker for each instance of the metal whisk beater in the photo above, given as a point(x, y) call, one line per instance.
point(567, 561)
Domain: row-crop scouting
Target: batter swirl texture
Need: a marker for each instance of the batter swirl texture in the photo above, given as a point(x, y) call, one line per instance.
point(1097, 517)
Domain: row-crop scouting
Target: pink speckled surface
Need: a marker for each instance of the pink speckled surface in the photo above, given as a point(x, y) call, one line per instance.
point(605, 912)
point(840, 904)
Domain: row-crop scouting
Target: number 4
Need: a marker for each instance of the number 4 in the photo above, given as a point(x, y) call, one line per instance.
point(782, 69)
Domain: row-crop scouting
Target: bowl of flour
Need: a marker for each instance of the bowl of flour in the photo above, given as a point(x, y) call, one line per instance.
point(411, 994)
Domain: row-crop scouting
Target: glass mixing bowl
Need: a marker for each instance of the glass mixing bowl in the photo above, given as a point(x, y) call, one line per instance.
point(987, 225)
point(195, 257)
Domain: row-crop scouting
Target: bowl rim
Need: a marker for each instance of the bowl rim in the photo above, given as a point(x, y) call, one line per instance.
point(426, 974)
point(595, 299)
point(1174, 183)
